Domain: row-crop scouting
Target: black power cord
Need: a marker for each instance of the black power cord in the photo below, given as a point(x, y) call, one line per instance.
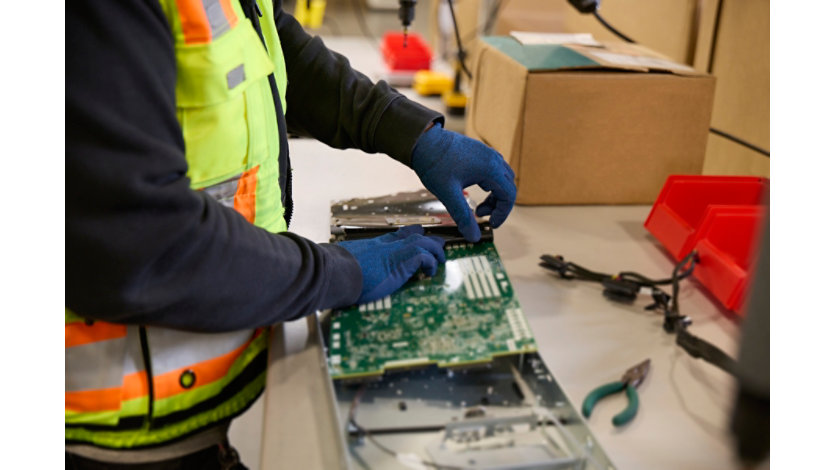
point(461, 52)
point(715, 27)
point(739, 141)
point(625, 286)
point(611, 28)
point(677, 323)
point(592, 6)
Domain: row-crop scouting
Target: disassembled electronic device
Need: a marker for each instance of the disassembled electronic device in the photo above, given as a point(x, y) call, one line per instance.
point(444, 373)
point(467, 314)
point(370, 217)
point(510, 415)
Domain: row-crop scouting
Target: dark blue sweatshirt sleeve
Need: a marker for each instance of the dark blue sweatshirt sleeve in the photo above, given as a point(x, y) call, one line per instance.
point(329, 100)
point(141, 246)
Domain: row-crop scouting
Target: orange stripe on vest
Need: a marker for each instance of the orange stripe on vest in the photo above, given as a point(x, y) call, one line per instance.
point(78, 333)
point(195, 23)
point(206, 372)
point(247, 187)
point(106, 399)
point(231, 17)
point(135, 385)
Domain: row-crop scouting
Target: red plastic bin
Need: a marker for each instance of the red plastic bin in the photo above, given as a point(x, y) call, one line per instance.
point(416, 56)
point(721, 217)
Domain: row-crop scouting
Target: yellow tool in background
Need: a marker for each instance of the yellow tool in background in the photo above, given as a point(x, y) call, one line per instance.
point(454, 99)
point(455, 102)
point(432, 83)
point(310, 13)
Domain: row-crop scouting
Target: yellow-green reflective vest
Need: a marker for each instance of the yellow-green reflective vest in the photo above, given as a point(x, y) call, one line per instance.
point(230, 128)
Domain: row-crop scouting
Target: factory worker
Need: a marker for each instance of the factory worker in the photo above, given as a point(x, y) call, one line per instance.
point(179, 249)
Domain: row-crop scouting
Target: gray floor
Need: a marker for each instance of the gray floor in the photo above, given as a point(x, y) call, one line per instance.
point(343, 18)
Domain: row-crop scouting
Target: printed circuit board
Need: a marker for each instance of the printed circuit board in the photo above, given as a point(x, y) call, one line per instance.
point(466, 314)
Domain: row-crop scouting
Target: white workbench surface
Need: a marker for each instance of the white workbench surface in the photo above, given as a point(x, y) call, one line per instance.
point(584, 339)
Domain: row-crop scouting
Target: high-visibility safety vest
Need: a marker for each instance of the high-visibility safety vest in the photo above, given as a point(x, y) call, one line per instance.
point(136, 386)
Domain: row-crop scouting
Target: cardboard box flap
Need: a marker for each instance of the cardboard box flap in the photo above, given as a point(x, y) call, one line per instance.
point(540, 57)
point(633, 57)
point(610, 56)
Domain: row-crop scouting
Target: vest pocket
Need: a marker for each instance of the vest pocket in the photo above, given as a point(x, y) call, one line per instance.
point(212, 83)
point(238, 193)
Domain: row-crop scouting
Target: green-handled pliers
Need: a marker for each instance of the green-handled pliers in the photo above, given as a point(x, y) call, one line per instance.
point(631, 379)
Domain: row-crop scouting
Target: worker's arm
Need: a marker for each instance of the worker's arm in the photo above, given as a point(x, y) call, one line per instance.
point(330, 101)
point(141, 246)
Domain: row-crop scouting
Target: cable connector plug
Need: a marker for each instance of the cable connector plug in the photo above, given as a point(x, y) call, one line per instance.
point(673, 322)
point(661, 300)
point(556, 264)
point(700, 349)
point(620, 290)
point(585, 6)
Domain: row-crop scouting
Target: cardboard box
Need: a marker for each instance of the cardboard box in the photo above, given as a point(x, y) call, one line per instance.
point(669, 27)
point(589, 125)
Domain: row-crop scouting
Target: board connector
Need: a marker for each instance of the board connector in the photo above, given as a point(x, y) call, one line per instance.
point(448, 233)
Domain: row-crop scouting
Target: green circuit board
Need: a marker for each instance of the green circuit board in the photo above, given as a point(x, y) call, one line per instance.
point(466, 314)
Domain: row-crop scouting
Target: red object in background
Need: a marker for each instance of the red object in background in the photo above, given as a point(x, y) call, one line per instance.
point(721, 217)
point(416, 56)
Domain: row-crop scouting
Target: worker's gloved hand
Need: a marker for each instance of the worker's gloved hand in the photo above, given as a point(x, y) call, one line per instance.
point(388, 261)
point(448, 162)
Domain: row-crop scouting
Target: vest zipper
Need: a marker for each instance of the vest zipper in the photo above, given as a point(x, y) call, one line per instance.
point(146, 358)
point(253, 12)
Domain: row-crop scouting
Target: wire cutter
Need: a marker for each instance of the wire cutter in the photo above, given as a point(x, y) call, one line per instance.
point(629, 382)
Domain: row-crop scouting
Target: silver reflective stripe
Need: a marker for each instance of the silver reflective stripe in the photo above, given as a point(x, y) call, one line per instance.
point(235, 77)
point(94, 366)
point(133, 356)
point(216, 17)
point(224, 192)
point(175, 349)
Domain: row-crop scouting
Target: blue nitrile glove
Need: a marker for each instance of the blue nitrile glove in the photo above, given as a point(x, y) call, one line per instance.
point(448, 162)
point(388, 261)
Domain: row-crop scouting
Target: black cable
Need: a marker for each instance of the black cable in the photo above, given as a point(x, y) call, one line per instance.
point(739, 141)
point(461, 53)
point(570, 270)
point(690, 259)
point(700, 349)
point(673, 321)
point(715, 27)
point(625, 287)
point(693, 345)
point(644, 281)
point(611, 28)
